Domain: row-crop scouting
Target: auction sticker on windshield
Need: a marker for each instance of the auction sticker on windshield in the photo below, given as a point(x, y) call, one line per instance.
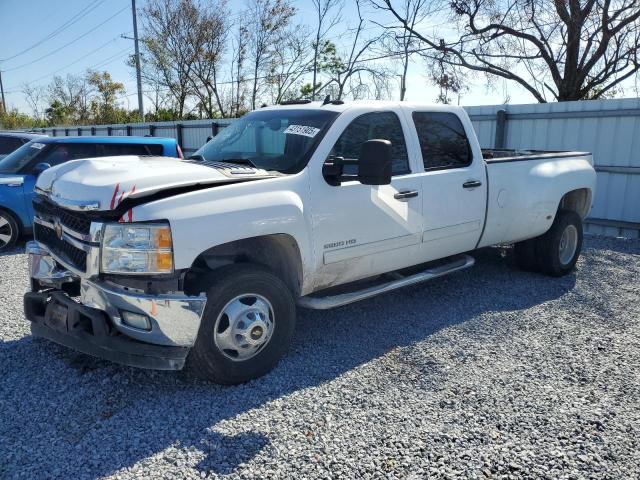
point(302, 130)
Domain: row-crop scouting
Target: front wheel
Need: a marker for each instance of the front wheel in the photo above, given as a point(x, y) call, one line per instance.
point(558, 249)
point(246, 326)
point(9, 231)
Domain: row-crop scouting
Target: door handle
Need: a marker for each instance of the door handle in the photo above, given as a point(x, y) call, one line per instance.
point(472, 184)
point(405, 194)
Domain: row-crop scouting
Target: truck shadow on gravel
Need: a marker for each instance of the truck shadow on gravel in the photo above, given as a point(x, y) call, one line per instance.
point(64, 414)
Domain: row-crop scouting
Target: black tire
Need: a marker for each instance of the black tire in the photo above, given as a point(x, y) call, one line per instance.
point(9, 231)
point(207, 360)
point(526, 256)
point(548, 249)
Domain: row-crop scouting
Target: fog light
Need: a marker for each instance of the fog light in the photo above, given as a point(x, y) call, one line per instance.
point(136, 320)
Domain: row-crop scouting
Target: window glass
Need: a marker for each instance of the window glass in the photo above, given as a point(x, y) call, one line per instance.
point(18, 160)
point(64, 152)
point(377, 125)
point(115, 149)
point(443, 141)
point(9, 144)
point(273, 139)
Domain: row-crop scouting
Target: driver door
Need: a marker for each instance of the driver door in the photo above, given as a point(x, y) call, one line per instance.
point(362, 230)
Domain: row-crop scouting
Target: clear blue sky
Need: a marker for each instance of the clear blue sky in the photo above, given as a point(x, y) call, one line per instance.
point(24, 23)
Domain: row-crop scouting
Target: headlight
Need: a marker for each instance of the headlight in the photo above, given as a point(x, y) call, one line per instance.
point(137, 248)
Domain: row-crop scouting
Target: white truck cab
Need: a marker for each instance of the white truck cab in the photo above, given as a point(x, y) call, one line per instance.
point(155, 262)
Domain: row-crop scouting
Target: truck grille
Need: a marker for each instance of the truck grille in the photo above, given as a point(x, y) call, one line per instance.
point(74, 256)
point(76, 221)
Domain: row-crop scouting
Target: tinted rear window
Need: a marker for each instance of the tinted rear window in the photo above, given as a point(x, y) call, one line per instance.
point(9, 144)
point(113, 149)
point(443, 141)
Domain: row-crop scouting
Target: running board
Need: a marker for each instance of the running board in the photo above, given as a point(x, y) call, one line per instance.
point(324, 303)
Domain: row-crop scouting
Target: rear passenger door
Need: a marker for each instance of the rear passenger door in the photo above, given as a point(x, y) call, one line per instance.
point(454, 186)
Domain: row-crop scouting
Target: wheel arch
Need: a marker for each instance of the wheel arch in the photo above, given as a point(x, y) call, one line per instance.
point(578, 200)
point(16, 217)
point(279, 253)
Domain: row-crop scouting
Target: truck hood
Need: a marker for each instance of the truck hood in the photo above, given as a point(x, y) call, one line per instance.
point(104, 183)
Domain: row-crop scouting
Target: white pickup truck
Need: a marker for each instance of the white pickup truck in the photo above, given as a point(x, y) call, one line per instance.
point(160, 262)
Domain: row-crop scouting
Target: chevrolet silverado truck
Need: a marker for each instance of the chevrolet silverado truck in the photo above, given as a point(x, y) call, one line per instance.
point(162, 263)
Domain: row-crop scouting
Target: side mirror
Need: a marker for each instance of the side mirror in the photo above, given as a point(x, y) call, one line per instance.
point(374, 165)
point(332, 170)
point(40, 167)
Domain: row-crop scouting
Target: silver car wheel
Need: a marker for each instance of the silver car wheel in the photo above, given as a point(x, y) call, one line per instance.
point(6, 231)
point(568, 244)
point(245, 325)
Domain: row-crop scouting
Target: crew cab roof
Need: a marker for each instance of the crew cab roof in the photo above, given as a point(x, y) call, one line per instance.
point(374, 105)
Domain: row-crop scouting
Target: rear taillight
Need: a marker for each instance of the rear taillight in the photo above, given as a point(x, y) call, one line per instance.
point(180, 155)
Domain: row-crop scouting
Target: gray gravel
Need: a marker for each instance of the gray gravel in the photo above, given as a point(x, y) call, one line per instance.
point(490, 373)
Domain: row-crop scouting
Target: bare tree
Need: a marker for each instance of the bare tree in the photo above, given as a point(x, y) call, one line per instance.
point(236, 69)
point(289, 64)
point(74, 94)
point(350, 72)
point(35, 96)
point(327, 15)
point(207, 41)
point(565, 49)
point(168, 54)
point(268, 20)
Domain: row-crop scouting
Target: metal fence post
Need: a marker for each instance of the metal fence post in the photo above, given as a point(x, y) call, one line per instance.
point(53, 132)
point(214, 128)
point(128, 130)
point(152, 130)
point(79, 132)
point(93, 131)
point(66, 132)
point(109, 131)
point(179, 134)
point(501, 126)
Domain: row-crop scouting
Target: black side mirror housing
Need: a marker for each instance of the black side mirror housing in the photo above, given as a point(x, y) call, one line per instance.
point(40, 167)
point(374, 165)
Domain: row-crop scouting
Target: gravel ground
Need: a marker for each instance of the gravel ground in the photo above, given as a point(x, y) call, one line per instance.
point(489, 373)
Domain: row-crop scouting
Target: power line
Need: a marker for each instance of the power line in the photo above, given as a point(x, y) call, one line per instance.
point(102, 63)
point(67, 44)
point(50, 74)
point(78, 16)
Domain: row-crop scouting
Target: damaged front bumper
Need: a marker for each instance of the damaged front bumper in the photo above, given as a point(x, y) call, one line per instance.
point(90, 316)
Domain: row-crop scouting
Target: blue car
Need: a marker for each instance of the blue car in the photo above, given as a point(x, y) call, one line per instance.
point(20, 169)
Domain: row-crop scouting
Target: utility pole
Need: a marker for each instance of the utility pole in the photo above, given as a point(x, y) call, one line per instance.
point(4, 104)
point(138, 76)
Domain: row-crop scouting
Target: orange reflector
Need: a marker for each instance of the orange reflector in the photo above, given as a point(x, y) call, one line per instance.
point(164, 237)
point(164, 261)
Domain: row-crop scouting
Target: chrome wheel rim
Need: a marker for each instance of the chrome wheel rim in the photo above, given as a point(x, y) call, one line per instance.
point(568, 244)
point(244, 326)
point(6, 231)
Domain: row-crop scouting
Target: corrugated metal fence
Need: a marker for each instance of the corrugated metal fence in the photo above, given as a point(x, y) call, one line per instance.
point(608, 128)
point(191, 134)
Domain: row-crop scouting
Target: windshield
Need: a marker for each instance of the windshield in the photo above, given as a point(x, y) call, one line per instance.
point(281, 140)
point(17, 160)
